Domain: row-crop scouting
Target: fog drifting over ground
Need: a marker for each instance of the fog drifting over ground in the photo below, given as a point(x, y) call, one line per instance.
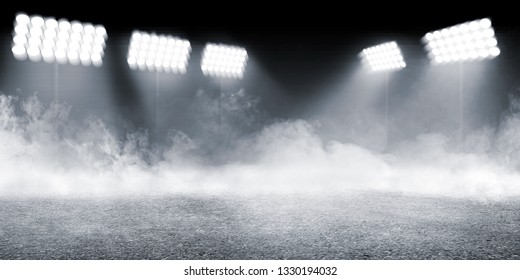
point(44, 152)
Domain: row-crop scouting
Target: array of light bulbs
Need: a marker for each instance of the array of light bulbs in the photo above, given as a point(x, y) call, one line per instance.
point(37, 38)
point(383, 57)
point(159, 53)
point(467, 41)
point(223, 61)
point(46, 39)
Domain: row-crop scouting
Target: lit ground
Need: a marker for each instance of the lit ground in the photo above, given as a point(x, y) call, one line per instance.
point(353, 226)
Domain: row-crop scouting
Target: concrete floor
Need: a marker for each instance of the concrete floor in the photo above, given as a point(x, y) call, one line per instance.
point(342, 226)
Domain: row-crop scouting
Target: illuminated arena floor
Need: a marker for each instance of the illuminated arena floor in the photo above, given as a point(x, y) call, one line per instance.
point(349, 226)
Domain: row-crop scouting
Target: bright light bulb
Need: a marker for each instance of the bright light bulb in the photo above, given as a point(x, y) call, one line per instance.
point(466, 41)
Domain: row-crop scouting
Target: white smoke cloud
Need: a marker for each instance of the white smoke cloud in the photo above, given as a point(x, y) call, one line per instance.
point(42, 152)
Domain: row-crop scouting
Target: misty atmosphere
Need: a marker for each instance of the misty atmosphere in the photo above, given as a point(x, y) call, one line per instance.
point(306, 158)
point(229, 143)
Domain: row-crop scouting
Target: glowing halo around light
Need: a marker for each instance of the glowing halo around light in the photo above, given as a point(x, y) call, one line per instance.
point(223, 61)
point(161, 53)
point(383, 57)
point(474, 40)
point(37, 38)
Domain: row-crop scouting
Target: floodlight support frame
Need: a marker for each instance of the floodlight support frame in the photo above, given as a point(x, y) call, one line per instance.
point(461, 102)
point(387, 74)
point(221, 88)
point(56, 81)
point(157, 96)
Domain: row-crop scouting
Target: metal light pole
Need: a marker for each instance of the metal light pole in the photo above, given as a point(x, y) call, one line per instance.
point(58, 42)
point(468, 41)
point(223, 62)
point(158, 53)
point(385, 57)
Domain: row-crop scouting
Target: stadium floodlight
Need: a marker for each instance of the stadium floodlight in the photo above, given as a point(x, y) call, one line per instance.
point(61, 41)
point(159, 53)
point(383, 57)
point(223, 61)
point(474, 40)
point(386, 57)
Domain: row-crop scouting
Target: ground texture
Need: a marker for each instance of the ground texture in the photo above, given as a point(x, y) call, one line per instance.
point(342, 226)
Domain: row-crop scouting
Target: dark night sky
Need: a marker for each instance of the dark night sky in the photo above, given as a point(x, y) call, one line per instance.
point(291, 41)
point(288, 33)
point(301, 47)
point(268, 27)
